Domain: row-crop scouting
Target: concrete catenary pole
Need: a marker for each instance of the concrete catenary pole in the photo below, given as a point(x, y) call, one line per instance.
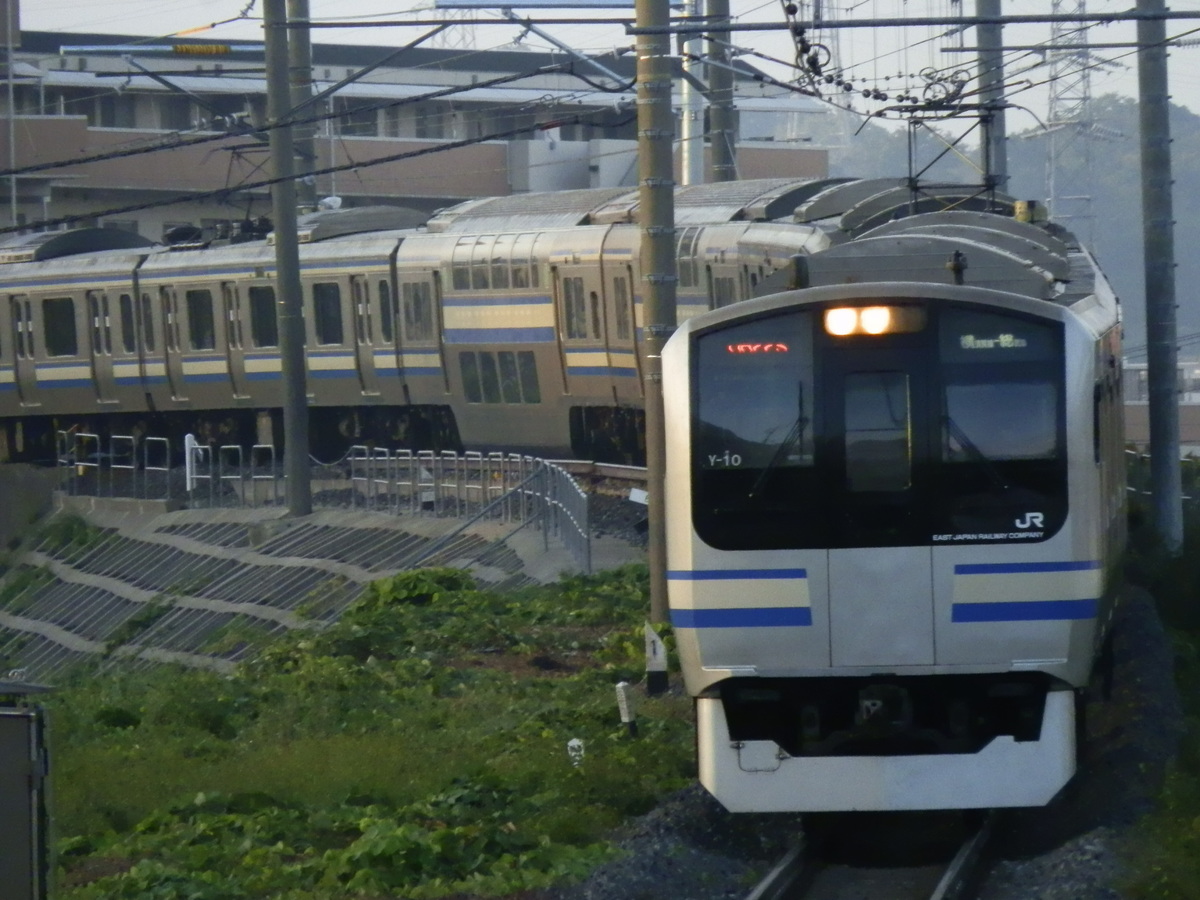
point(656, 199)
point(288, 301)
point(691, 109)
point(991, 90)
point(300, 84)
point(722, 128)
point(1158, 237)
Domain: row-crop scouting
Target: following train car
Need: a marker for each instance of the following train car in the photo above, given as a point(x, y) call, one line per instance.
point(895, 502)
point(507, 323)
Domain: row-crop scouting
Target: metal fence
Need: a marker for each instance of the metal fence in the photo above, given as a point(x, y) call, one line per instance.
point(508, 488)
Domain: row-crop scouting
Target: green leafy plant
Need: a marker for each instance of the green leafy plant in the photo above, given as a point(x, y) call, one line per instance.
point(416, 747)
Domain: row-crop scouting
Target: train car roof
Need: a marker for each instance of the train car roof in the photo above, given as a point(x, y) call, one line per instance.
point(56, 244)
point(326, 224)
point(890, 230)
point(757, 200)
point(525, 212)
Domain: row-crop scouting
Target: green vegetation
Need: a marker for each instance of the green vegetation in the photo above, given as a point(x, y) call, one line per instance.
point(416, 748)
point(1165, 852)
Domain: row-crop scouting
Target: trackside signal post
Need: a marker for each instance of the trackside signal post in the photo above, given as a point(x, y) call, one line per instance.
point(656, 210)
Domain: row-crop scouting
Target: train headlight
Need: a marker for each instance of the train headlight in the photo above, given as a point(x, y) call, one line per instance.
point(843, 321)
point(875, 319)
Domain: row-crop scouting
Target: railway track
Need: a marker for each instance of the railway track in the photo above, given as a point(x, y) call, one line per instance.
point(802, 874)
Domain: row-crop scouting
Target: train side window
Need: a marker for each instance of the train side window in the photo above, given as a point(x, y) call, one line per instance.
point(58, 322)
point(574, 308)
point(18, 328)
point(878, 432)
point(480, 264)
point(501, 253)
point(510, 382)
point(233, 315)
point(362, 311)
point(386, 313)
point(470, 376)
point(488, 376)
point(170, 321)
point(128, 329)
point(147, 310)
point(686, 255)
point(264, 326)
point(202, 331)
point(327, 313)
point(101, 322)
point(597, 322)
point(93, 298)
point(723, 291)
point(527, 365)
point(460, 266)
point(621, 308)
point(418, 311)
point(522, 248)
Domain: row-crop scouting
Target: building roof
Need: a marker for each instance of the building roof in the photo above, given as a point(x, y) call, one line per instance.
point(434, 64)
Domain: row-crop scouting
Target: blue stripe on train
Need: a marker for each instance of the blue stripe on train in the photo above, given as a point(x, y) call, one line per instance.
point(758, 617)
point(601, 370)
point(1024, 611)
point(1026, 567)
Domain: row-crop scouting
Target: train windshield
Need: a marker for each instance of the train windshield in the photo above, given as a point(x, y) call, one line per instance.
point(948, 429)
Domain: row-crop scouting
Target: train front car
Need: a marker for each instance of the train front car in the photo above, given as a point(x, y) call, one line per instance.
point(894, 500)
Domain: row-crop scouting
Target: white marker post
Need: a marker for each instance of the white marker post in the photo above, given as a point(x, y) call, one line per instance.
point(656, 663)
point(625, 705)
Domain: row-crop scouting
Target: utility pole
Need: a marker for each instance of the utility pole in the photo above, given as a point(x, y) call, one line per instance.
point(1159, 240)
point(991, 89)
point(300, 85)
point(721, 126)
point(691, 109)
point(656, 202)
point(288, 299)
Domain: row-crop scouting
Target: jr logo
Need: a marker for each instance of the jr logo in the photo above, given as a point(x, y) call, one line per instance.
point(1031, 520)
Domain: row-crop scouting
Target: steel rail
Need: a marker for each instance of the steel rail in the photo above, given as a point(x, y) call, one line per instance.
point(796, 872)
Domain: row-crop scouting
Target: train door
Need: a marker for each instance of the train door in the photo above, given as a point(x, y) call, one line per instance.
point(419, 336)
point(172, 342)
point(101, 346)
point(624, 358)
point(620, 334)
point(877, 405)
point(364, 335)
point(582, 331)
point(235, 352)
point(24, 365)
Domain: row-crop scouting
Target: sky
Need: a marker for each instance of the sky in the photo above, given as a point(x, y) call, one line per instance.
point(886, 58)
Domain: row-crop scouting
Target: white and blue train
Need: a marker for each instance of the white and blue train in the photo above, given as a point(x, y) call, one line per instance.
point(895, 500)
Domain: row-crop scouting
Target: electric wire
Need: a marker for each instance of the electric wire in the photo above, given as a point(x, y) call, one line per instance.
point(177, 142)
point(226, 194)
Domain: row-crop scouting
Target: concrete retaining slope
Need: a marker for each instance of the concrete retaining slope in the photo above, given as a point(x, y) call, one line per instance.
point(174, 585)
